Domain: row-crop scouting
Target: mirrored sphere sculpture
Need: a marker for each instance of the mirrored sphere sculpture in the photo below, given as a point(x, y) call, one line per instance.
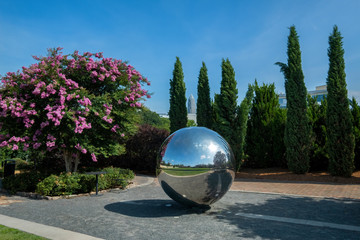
point(195, 166)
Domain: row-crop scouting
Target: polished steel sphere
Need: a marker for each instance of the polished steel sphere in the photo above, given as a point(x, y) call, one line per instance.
point(195, 166)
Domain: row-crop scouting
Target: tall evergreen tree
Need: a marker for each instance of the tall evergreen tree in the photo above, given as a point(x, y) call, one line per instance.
point(355, 111)
point(263, 143)
point(177, 112)
point(203, 107)
point(227, 102)
point(338, 116)
point(242, 116)
point(297, 130)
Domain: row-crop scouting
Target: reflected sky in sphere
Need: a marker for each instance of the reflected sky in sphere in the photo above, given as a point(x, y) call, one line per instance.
point(193, 146)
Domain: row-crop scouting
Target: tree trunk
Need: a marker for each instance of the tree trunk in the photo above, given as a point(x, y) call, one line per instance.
point(71, 163)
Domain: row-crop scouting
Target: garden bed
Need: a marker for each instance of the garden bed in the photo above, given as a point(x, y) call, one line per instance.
point(285, 175)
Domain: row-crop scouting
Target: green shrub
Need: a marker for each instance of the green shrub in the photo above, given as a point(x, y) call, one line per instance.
point(73, 183)
point(87, 183)
point(115, 177)
point(64, 184)
point(24, 182)
point(21, 164)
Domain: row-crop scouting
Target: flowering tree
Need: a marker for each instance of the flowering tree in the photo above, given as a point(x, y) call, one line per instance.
point(78, 104)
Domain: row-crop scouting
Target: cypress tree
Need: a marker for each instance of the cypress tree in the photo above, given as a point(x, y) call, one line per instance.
point(338, 116)
point(177, 112)
point(203, 105)
point(227, 102)
point(355, 111)
point(297, 129)
point(242, 116)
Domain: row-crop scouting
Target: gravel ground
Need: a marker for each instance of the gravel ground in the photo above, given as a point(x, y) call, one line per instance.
point(147, 213)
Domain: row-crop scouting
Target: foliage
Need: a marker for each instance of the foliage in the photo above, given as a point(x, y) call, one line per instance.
point(73, 183)
point(143, 147)
point(225, 104)
point(242, 116)
point(264, 144)
point(65, 184)
point(24, 182)
point(203, 104)
point(355, 111)
point(73, 103)
point(317, 115)
point(177, 111)
point(7, 233)
point(152, 118)
point(115, 177)
point(297, 131)
point(340, 137)
point(191, 123)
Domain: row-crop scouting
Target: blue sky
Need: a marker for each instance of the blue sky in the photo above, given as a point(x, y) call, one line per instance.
point(150, 34)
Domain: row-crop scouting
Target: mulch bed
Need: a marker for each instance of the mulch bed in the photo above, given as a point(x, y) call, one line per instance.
point(285, 175)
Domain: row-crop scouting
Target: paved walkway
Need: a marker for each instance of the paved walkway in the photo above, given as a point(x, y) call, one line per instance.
point(309, 189)
point(248, 186)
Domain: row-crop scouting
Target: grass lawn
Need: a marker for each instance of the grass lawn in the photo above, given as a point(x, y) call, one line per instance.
point(7, 233)
point(185, 171)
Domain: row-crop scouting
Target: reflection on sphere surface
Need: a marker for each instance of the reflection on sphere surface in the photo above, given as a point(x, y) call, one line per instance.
point(195, 166)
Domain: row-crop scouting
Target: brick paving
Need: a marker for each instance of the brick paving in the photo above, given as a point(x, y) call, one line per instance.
point(311, 189)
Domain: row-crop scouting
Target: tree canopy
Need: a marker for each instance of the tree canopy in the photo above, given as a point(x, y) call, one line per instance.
point(76, 104)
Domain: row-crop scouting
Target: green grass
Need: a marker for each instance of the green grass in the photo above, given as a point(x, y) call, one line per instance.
point(7, 233)
point(185, 171)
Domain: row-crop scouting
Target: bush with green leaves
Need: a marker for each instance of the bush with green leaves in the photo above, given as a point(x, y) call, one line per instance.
point(64, 184)
point(24, 182)
point(73, 183)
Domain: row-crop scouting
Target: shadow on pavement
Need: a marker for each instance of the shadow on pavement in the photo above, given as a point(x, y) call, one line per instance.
point(267, 225)
point(153, 208)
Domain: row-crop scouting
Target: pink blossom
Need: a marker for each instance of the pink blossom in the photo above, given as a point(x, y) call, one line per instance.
point(108, 120)
point(138, 104)
point(113, 129)
point(32, 105)
point(50, 144)
point(93, 157)
point(26, 146)
point(3, 144)
point(36, 91)
point(101, 77)
point(15, 147)
point(44, 124)
point(122, 135)
point(126, 99)
point(93, 74)
point(36, 145)
point(51, 137)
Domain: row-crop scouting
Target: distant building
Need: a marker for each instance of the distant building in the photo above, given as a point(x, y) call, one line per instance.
point(191, 105)
point(320, 93)
point(191, 108)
